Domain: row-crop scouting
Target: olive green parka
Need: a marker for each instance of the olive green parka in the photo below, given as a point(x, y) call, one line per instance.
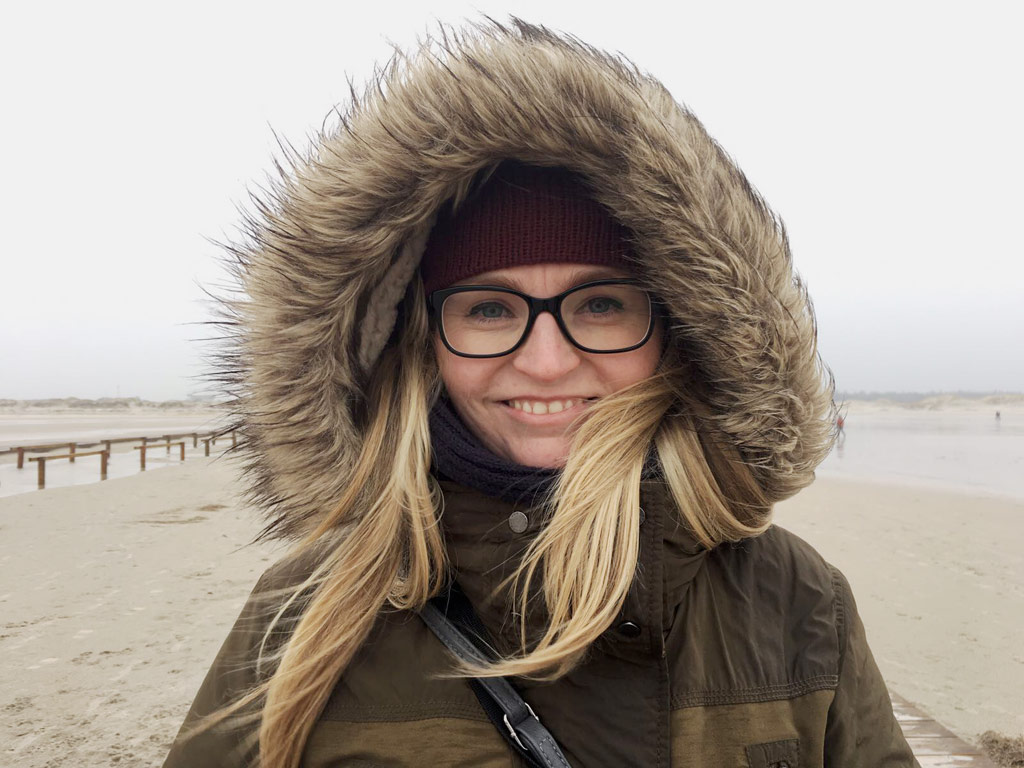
point(748, 654)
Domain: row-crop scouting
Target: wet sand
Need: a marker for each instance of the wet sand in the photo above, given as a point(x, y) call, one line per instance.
point(115, 596)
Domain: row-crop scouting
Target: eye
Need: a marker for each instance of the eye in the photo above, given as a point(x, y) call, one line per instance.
point(601, 305)
point(489, 310)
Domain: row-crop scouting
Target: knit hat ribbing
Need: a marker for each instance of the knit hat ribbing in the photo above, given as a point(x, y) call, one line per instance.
point(522, 215)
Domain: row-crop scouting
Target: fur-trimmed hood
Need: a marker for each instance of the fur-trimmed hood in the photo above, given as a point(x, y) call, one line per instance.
point(330, 250)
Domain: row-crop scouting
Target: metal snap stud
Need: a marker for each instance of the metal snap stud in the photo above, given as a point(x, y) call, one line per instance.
point(518, 522)
point(629, 629)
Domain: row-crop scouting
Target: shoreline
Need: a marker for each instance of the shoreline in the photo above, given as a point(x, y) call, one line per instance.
point(56, 427)
point(916, 483)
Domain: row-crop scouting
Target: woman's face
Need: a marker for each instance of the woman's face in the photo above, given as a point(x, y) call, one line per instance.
point(546, 371)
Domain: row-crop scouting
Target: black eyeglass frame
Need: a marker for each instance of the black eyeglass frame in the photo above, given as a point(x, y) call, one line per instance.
point(552, 305)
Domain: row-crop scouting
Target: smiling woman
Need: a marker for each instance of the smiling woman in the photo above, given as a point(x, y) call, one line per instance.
point(522, 354)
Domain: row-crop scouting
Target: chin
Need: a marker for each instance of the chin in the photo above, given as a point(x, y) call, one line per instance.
point(541, 456)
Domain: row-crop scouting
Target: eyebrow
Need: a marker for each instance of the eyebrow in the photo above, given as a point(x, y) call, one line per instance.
point(581, 275)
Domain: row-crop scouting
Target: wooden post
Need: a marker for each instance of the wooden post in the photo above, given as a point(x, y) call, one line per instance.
point(41, 461)
point(195, 440)
point(142, 457)
point(71, 452)
point(168, 446)
point(21, 458)
point(206, 445)
point(106, 444)
point(182, 444)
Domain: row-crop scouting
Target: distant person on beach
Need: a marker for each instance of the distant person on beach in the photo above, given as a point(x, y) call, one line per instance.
point(522, 368)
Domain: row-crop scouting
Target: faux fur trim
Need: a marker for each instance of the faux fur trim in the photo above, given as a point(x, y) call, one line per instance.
point(329, 250)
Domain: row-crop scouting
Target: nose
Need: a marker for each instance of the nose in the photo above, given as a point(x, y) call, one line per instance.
point(546, 354)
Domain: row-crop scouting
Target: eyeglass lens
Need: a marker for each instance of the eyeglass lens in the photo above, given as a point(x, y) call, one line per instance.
point(600, 317)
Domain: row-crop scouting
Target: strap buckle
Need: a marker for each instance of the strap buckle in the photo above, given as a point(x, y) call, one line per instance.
point(512, 730)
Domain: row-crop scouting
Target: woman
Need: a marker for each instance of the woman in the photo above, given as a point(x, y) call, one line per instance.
point(519, 330)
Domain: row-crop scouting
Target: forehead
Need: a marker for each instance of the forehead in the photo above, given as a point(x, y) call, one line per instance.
point(545, 279)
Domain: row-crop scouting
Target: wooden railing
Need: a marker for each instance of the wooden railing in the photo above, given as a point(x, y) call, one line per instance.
point(164, 441)
point(142, 452)
point(104, 457)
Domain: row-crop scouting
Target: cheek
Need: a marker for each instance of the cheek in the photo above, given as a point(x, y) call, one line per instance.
point(653, 350)
point(448, 367)
point(620, 371)
point(465, 379)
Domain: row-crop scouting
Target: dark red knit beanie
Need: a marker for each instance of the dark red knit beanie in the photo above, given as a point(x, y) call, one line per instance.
point(523, 214)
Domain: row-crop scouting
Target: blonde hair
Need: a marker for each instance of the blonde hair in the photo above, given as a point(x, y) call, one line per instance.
point(381, 543)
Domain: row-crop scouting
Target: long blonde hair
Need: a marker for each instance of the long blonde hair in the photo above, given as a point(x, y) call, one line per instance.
point(381, 543)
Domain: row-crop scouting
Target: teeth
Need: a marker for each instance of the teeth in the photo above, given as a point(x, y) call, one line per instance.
point(540, 408)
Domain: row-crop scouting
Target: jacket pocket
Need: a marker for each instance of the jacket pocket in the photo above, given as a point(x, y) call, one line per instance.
point(774, 754)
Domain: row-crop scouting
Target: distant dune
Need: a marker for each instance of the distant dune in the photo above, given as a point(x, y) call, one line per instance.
point(917, 401)
point(958, 401)
point(919, 397)
point(938, 402)
point(104, 405)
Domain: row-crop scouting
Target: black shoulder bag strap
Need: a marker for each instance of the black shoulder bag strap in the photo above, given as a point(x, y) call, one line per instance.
point(512, 716)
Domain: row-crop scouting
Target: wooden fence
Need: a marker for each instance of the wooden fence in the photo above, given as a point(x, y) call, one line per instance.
point(146, 442)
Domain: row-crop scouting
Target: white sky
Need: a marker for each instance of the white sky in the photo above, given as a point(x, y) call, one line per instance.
point(888, 135)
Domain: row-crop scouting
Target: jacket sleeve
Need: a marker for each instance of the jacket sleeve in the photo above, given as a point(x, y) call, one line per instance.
point(233, 743)
point(861, 728)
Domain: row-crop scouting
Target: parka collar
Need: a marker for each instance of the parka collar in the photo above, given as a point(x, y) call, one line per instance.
point(487, 537)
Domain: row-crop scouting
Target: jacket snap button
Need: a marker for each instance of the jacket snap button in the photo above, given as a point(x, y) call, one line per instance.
point(518, 522)
point(643, 516)
point(629, 629)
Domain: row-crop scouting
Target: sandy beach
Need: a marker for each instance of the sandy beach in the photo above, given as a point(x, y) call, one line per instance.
point(115, 596)
point(939, 582)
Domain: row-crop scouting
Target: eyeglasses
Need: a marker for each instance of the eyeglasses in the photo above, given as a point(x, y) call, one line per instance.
point(603, 316)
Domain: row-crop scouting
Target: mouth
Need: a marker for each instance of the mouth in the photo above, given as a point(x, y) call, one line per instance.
point(545, 407)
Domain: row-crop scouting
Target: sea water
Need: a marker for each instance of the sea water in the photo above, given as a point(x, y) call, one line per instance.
point(968, 450)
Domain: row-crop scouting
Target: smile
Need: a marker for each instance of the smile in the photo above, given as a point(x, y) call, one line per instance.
point(542, 407)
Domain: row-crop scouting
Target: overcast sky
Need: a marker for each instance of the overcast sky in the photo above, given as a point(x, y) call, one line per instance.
point(887, 135)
